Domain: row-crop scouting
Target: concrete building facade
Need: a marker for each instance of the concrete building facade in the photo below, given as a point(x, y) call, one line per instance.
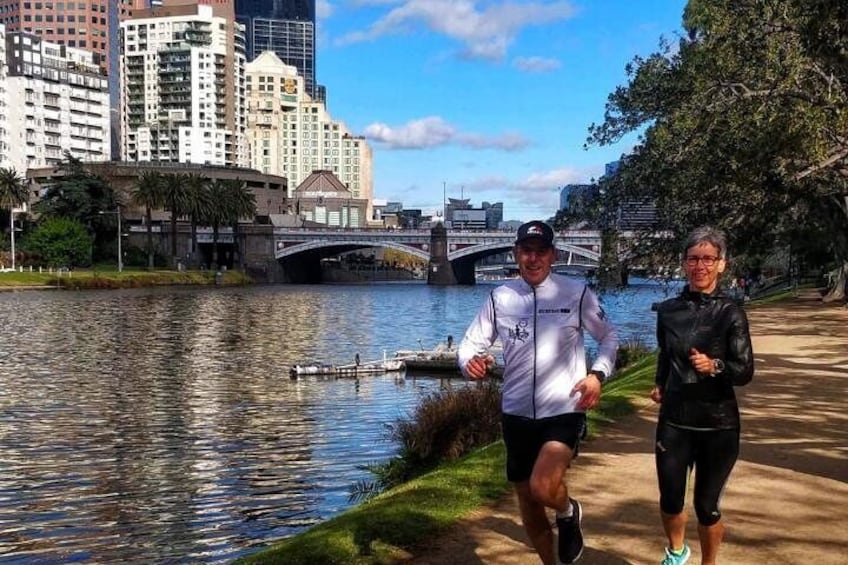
point(63, 103)
point(182, 85)
point(292, 135)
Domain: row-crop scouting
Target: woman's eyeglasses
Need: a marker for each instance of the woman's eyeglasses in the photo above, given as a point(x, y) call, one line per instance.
point(707, 260)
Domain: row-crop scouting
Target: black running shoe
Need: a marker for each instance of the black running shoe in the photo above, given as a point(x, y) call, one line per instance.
point(570, 538)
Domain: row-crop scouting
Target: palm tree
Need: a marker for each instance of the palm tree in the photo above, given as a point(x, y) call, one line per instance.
point(217, 213)
point(175, 198)
point(241, 203)
point(13, 190)
point(148, 192)
point(198, 206)
point(13, 193)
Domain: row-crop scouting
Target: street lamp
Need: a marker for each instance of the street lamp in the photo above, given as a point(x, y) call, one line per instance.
point(120, 236)
point(12, 213)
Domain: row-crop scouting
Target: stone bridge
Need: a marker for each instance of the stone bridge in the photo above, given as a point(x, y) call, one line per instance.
point(450, 254)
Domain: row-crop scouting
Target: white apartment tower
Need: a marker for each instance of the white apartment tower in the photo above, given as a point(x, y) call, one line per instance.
point(182, 87)
point(61, 103)
point(291, 135)
point(4, 104)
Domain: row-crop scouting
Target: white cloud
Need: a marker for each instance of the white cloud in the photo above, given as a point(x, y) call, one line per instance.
point(323, 9)
point(434, 131)
point(536, 64)
point(555, 178)
point(485, 32)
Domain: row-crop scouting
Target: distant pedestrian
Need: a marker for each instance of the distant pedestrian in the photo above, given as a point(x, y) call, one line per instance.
point(704, 352)
point(540, 319)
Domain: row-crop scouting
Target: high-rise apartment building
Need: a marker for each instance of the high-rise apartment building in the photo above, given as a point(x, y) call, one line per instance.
point(62, 103)
point(286, 27)
point(182, 85)
point(90, 25)
point(292, 135)
point(4, 131)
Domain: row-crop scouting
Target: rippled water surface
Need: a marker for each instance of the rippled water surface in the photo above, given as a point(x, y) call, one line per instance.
point(160, 425)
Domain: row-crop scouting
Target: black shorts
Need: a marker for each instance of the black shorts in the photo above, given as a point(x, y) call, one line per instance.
point(524, 438)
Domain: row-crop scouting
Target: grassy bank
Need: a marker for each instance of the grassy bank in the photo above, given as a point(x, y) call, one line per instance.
point(385, 528)
point(111, 279)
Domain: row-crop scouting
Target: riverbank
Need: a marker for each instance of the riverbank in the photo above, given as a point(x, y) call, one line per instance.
point(106, 279)
point(787, 500)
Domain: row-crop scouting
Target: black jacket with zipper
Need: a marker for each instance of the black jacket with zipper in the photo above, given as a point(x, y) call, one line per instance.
point(715, 325)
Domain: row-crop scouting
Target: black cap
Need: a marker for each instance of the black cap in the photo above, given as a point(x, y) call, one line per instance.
point(536, 230)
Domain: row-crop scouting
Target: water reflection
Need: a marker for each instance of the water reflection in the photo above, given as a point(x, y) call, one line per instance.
point(160, 425)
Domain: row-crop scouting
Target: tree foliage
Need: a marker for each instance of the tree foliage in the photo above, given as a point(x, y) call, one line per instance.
point(60, 242)
point(79, 195)
point(175, 197)
point(198, 205)
point(13, 191)
point(149, 192)
point(744, 124)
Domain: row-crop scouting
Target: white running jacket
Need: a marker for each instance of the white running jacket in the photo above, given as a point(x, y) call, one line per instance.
point(541, 329)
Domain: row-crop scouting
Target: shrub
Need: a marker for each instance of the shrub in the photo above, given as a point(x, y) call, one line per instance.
point(630, 351)
point(446, 425)
point(60, 242)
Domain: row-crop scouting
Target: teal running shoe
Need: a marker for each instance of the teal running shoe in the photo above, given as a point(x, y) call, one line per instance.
point(675, 559)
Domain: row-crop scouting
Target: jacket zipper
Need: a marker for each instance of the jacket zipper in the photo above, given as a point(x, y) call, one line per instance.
point(534, 350)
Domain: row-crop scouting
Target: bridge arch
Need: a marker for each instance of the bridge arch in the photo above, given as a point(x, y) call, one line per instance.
point(491, 248)
point(349, 244)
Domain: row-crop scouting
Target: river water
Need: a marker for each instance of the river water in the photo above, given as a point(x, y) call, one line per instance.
point(161, 426)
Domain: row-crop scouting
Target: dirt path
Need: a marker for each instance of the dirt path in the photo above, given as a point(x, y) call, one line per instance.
point(787, 500)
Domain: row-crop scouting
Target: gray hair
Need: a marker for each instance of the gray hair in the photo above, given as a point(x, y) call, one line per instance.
point(707, 234)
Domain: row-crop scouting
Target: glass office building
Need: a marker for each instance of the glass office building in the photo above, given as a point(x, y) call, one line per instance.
point(303, 10)
point(286, 27)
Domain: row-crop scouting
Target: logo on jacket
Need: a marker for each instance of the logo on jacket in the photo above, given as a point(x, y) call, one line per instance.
point(520, 332)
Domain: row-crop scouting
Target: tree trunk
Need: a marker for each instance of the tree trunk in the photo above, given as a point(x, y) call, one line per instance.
point(194, 261)
point(173, 240)
point(215, 247)
point(838, 289)
point(237, 247)
point(149, 220)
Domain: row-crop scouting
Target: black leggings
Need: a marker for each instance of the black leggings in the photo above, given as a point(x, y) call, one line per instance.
point(713, 454)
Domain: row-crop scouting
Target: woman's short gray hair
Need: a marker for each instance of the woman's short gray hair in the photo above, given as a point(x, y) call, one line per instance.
point(707, 234)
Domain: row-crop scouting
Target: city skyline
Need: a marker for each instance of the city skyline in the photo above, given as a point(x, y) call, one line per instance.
point(491, 100)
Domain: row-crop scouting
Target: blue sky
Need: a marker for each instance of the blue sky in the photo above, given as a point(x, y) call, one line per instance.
point(492, 98)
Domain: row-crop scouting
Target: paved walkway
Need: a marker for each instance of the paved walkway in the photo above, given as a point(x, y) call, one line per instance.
point(787, 500)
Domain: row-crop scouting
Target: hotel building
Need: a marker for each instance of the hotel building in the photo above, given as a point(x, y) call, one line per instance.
point(292, 135)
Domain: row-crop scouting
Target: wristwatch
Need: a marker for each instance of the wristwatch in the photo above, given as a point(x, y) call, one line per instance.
point(718, 367)
point(600, 375)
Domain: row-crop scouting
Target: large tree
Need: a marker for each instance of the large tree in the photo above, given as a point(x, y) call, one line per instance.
point(744, 124)
point(198, 206)
point(232, 200)
point(13, 191)
point(241, 204)
point(80, 195)
point(175, 197)
point(149, 192)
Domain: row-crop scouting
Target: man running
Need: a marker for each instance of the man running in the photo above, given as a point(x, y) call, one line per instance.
point(540, 319)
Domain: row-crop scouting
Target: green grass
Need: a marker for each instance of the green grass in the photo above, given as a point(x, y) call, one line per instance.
point(388, 527)
point(111, 278)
